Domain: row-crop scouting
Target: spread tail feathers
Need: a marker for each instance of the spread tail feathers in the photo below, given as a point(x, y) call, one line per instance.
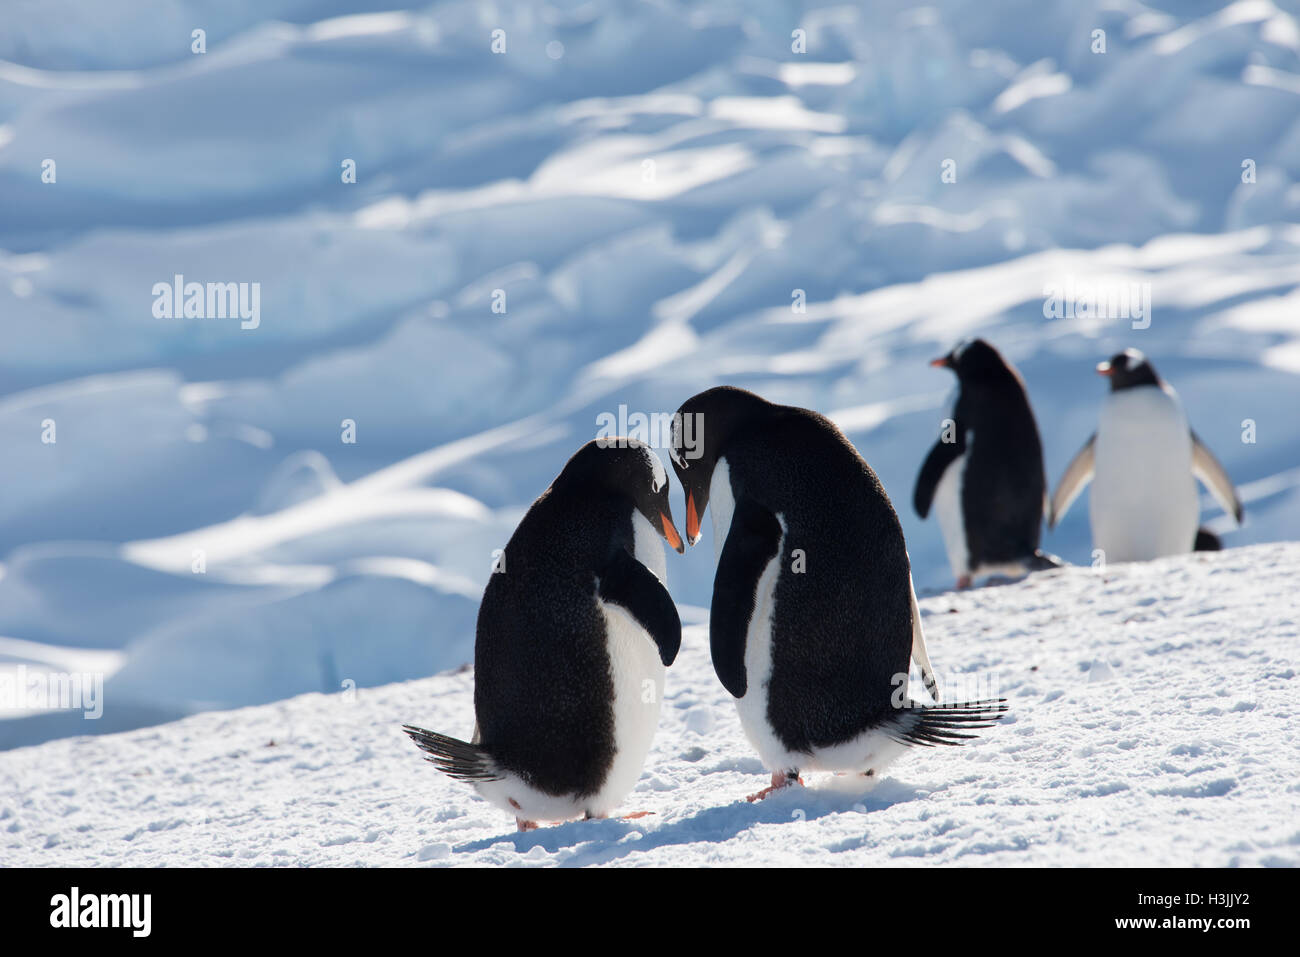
point(463, 761)
point(945, 723)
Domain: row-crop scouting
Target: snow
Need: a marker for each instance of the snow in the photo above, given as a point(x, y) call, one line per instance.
point(659, 197)
point(1153, 722)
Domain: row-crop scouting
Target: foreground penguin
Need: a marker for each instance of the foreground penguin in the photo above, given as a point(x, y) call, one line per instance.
point(1143, 462)
point(574, 632)
point(985, 475)
point(813, 619)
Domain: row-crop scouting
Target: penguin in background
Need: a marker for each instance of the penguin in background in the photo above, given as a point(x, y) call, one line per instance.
point(573, 635)
point(1143, 462)
point(985, 475)
point(814, 619)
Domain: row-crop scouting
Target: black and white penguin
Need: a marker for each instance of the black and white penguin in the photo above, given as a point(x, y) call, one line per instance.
point(814, 618)
point(985, 475)
point(1143, 462)
point(574, 632)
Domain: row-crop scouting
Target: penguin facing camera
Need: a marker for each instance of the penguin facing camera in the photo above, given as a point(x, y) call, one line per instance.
point(1143, 462)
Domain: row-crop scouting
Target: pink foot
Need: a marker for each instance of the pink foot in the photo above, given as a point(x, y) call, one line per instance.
point(780, 781)
point(636, 814)
point(525, 825)
point(963, 582)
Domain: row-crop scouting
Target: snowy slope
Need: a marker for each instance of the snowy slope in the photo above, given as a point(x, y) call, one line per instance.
point(652, 186)
point(1154, 721)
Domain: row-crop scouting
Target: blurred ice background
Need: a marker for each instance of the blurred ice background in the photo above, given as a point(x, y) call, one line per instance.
point(650, 185)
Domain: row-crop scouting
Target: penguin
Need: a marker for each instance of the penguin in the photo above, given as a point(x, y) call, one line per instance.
point(814, 618)
point(1143, 462)
point(985, 475)
point(574, 633)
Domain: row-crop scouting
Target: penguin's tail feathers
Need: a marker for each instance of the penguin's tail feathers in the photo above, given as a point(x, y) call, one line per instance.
point(459, 759)
point(1207, 541)
point(1041, 561)
point(930, 725)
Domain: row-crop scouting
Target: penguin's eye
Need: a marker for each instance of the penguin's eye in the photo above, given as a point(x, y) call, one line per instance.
point(678, 459)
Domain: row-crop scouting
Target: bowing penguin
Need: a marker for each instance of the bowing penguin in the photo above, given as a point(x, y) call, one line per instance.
point(573, 636)
point(814, 618)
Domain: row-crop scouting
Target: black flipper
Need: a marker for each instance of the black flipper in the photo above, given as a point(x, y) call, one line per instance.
point(461, 760)
point(945, 723)
point(752, 543)
point(634, 588)
point(936, 463)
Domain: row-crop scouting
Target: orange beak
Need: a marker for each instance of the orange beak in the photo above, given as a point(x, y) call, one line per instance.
point(692, 519)
point(670, 533)
point(940, 363)
point(1104, 368)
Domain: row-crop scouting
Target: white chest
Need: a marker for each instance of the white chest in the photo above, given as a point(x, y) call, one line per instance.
point(648, 546)
point(952, 520)
point(722, 505)
point(1143, 501)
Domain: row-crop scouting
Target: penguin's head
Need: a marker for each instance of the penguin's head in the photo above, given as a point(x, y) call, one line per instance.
point(630, 469)
point(701, 430)
point(974, 361)
point(1128, 369)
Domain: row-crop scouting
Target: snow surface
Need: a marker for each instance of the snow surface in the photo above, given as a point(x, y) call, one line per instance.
point(1154, 720)
point(649, 183)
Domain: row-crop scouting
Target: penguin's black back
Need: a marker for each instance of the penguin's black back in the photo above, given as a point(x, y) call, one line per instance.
point(842, 629)
point(1004, 482)
point(543, 691)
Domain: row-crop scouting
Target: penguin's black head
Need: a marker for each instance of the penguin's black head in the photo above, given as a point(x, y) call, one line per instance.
point(1128, 369)
point(701, 429)
point(975, 361)
point(629, 468)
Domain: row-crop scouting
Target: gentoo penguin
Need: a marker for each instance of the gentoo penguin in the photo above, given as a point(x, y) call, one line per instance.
point(1143, 462)
point(985, 475)
point(814, 618)
point(574, 632)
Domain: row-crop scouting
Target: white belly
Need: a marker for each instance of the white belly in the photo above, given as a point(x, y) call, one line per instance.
point(752, 708)
point(638, 679)
point(952, 523)
point(1143, 502)
point(871, 750)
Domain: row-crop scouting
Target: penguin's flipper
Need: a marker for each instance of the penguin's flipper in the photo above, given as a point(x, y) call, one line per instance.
point(752, 543)
point(936, 463)
point(1207, 468)
point(919, 654)
point(946, 723)
point(638, 591)
point(460, 760)
point(1077, 474)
